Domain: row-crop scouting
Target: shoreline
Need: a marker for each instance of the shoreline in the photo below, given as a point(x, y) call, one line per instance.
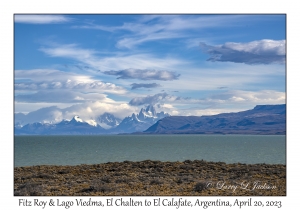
point(152, 178)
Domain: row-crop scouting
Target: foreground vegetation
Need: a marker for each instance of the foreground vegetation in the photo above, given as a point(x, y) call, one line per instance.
point(152, 178)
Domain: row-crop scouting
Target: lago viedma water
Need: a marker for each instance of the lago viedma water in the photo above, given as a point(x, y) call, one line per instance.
point(75, 150)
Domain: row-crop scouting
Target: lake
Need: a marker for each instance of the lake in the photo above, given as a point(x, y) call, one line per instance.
point(75, 150)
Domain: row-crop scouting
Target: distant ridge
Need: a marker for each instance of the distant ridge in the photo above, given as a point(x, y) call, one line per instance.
point(263, 119)
point(104, 124)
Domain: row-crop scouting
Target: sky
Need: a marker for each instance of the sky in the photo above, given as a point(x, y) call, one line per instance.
point(86, 65)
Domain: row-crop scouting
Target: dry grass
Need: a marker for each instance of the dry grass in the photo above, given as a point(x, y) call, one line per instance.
point(150, 178)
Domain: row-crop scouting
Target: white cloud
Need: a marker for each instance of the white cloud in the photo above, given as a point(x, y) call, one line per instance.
point(115, 62)
point(41, 19)
point(260, 47)
point(96, 86)
point(137, 40)
point(157, 27)
point(39, 88)
point(69, 51)
point(47, 79)
point(149, 99)
point(49, 75)
point(229, 98)
point(169, 108)
point(60, 96)
point(250, 97)
point(25, 107)
point(224, 102)
point(91, 110)
point(145, 74)
point(87, 111)
point(256, 52)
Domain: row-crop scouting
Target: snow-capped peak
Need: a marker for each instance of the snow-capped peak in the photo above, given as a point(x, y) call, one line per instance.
point(91, 122)
point(135, 117)
point(77, 118)
point(108, 120)
point(149, 112)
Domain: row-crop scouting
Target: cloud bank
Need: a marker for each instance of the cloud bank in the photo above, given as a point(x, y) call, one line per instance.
point(51, 79)
point(60, 96)
point(231, 98)
point(144, 74)
point(86, 111)
point(38, 86)
point(148, 99)
point(257, 52)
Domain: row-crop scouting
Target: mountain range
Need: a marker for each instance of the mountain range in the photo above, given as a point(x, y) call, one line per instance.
point(104, 124)
point(263, 119)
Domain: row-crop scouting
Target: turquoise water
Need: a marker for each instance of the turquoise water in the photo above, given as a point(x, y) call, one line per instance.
point(75, 150)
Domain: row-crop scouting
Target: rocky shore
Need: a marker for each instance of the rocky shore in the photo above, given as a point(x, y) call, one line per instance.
point(152, 178)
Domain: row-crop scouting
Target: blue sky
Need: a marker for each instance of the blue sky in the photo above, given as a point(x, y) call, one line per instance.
point(182, 64)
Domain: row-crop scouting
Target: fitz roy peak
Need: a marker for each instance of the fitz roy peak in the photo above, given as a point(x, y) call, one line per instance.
point(139, 122)
point(149, 112)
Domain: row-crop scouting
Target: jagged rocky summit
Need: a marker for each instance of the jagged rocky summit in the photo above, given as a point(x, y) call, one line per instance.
point(141, 121)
